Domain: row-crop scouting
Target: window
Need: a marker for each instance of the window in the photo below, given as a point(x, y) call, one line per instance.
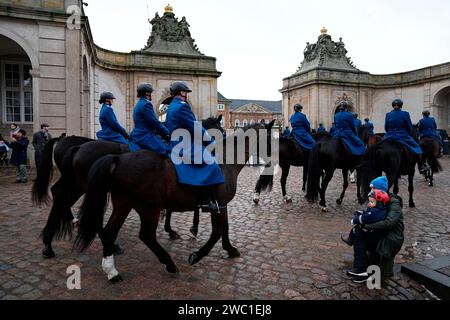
point(237, 124)
point(222, 122)
point(221, 107)
point(244, 123)
point(252, 122)
point(17, 93)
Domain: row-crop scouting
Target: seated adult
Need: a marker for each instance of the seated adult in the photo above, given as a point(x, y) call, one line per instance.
point(286, 133)
point(428, 128)
point(148, 132)
point(345, 130)
point(321, 128)
point(384, 238)
point(301, 129)
point(111, 129)
point(369, 126)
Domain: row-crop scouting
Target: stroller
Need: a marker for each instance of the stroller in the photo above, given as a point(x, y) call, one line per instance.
point(3, 156)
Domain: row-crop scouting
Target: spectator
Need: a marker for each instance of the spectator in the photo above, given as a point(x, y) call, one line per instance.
point(40, 139)
point(14, 130)
point(19, 145)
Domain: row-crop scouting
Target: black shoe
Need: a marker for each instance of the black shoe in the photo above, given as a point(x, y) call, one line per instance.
point(357, 273)
point(346, 240)
point(360, 279)
point(210, 207)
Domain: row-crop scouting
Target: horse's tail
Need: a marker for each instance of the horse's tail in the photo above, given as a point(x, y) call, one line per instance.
point(95, 200)
point(433, 162)
point(265, 180)
point(314, 174)
point(39, 193)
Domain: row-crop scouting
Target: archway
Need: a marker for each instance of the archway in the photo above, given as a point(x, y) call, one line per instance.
point(16, 85)
point(441, 108)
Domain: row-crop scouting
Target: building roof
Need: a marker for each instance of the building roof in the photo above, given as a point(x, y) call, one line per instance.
point(221, 98)
point(271, 106)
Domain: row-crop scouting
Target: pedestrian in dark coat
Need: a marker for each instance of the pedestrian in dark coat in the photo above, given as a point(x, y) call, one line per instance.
point(40, 139)
point(19, 146)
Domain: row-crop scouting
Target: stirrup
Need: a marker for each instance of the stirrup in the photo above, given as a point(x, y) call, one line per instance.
point(212, 207)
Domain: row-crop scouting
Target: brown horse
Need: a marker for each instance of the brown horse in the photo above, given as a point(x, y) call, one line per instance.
point(148, 182)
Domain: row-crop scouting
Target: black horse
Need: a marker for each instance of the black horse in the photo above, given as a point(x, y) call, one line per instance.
point(81, 153)
point(430, 148)
point(289, 155)
point(328, 155)
point(147, 182)
point(395, 160)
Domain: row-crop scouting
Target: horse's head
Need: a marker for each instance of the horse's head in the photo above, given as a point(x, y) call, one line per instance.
point(213, 123)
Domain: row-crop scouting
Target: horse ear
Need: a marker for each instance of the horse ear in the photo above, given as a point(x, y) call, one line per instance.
point(219, 119)
point(271, 124)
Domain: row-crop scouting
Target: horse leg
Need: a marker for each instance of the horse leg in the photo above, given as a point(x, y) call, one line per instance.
point(108, 236)
point(305, 176)
point(226, 244)
point(411, 188)
point(431, 178)
point(344, 186)
point(195, 222)
point(326, 179)
point(167, 227)
point(283, 180)
point(149, 223)
point(396, 189)
point(217, 222)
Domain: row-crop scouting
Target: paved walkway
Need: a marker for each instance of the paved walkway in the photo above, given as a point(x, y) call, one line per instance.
point(288, 251)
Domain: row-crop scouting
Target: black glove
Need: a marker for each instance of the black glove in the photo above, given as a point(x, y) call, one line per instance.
point(166, 137)
point(126, 136)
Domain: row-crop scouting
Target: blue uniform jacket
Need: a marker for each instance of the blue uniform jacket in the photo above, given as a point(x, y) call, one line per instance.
point(428, 128)
point(369, 127)
point(398, 126)
point(357, 124)
point(19, 151)
point(321, 129)
point(180, 116)
point(148, 130)
point(346, 131)
point(301, 131)
point(111, 129)
point(286, 133)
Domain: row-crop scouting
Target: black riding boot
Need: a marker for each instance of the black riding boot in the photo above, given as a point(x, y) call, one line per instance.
point(206, 204)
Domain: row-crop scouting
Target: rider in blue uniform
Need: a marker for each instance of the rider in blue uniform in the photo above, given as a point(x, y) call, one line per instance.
point(286, 133)
point(428, 127)
point(346, 130)
point(369, 126)
point(332, 128)
point(111, 129)
point(357, 122)
point(301, 129)
point(148, 132)
point(205, 174)
point(398, 127)
point(321, 128)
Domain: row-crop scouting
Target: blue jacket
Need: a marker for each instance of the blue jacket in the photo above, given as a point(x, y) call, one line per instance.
point(286, 133)
point(148, 130)
point(301, 131)
point(357, 124)
point(321, 128)
point(371, 215)
point(398, 126)
point(428, 128)
point(369, 126)
point(19, 151)
point(346, 131)
point(111, 129)
point(208, 172)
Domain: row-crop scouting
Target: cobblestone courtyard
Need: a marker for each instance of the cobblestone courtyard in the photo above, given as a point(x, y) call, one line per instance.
point(288, 251)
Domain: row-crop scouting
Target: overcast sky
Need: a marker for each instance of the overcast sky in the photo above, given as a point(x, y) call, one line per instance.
point(258, 43)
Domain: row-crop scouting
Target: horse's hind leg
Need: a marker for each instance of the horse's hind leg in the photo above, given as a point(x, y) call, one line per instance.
point(168, 228)
point(344, 186)
point(226, 244)
point(411, 189)
point(149, 223)
point(325, 180)
point(195, 222)
point(305, 176)
point(283, 180)
point(108, 236)
point(218, 221)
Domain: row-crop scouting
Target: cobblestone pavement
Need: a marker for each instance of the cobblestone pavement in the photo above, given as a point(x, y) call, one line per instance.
point(288, 251)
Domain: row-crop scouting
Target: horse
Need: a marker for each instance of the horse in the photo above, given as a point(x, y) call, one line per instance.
point(395, 160)
point(70, 152)
point(147, 183)
point(328, 155)
point(430, 148)
point(289, 155)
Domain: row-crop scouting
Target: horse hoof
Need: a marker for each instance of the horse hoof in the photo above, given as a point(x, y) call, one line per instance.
point(234, 253)
point(325, 209)
point(48, 253)
point(118, 250)
point(256, 201)
point(194, 258)
point(174, 236)
point(412, 205)
point(287, 199)
point(194, 231)
point(339, 201)
point(172, 269)
point(116, 279)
